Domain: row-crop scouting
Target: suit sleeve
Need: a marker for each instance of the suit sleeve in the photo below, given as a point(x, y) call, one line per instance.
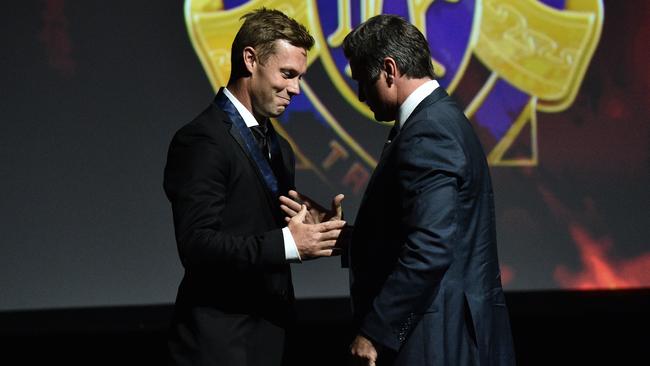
point(196, 183)
point(430, 165)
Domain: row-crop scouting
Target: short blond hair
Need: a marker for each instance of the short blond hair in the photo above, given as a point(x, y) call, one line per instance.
point(261, 28)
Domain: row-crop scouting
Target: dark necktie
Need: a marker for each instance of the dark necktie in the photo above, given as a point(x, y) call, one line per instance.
point(391, 136)
point(261, 136)
point(393, 132)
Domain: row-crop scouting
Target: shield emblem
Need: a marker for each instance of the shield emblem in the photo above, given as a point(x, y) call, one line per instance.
point(533, 55)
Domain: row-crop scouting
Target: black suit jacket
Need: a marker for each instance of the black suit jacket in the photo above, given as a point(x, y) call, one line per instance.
point(235, 297)
point(425, 280)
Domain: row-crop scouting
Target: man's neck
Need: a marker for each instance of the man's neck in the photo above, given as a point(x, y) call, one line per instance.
point(239, 89)
point(407, 86)
point(414, 98)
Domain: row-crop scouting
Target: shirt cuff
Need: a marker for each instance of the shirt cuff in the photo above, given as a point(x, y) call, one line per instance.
point(290, 248)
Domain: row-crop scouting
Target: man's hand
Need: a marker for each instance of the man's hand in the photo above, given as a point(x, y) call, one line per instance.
point(314, 240)
point(315, 213)
point(363, 352)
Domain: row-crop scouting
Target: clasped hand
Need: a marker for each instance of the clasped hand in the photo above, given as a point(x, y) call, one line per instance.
point(315, 213)
point(314, 229)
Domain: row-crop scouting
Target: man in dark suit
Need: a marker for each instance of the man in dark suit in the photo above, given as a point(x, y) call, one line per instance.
point(223, 178)
point(425, 280)
point(424, 272)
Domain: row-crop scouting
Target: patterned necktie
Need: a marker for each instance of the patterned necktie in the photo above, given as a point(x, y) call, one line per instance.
point(261, 135)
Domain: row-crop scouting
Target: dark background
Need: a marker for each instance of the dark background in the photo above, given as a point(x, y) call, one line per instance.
point(549, 328)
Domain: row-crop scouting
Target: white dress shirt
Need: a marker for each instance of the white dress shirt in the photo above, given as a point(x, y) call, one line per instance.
point(290, 248)
point(414, 99)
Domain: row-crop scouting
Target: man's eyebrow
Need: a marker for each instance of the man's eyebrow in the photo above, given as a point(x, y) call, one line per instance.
point(292, 71)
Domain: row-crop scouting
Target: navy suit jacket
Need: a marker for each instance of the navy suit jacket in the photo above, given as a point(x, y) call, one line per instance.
point(425, 280)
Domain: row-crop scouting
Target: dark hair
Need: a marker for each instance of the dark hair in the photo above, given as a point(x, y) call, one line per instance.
point(388, 36)
point(261, 28)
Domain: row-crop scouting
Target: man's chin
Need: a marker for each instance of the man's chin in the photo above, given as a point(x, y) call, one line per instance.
point(383, 118)
point(282, 108)
point(278, 112)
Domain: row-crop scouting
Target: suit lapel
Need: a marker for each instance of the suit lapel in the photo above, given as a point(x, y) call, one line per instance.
point(279, 161)
point(286, 154)
point(260, 165)
point(432, 98)
point(235, 133)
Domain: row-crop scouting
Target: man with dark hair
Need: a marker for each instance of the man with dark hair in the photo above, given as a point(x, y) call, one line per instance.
point(225, 171)
point(425, 278)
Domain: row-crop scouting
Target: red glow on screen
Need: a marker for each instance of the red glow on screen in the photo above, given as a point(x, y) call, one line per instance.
point(599, 270)
point(56, 38)
point(507, 274)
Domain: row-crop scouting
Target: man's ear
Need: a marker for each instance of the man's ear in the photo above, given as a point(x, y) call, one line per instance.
point(390, 70)
point(250, 58)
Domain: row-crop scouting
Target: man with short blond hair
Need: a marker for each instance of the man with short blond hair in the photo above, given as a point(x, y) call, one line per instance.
point(225, 171)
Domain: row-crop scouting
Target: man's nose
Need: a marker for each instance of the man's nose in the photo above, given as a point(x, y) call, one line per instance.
point(294, 87)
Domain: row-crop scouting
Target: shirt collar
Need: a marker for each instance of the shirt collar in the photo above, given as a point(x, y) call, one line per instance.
point(414, 99)
point(243, 112)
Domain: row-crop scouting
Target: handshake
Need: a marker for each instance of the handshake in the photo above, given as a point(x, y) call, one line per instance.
point(318, 232)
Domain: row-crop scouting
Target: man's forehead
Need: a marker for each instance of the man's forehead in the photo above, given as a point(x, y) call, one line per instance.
point(283, 44)
point(288, 56)
point(284, 52)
